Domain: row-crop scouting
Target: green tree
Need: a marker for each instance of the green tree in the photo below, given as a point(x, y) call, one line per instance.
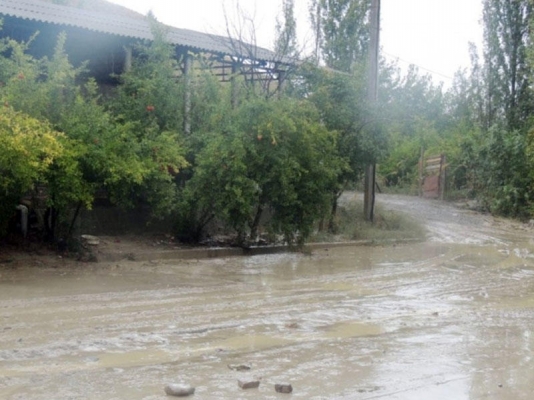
point(494, 105)
point(286, 32)
point(135, 159)
point(340, 100)
point(152, 91)
point(40, 89)
point(414, 115)
point(407, 98)
point(29, 147)
point(341, 28)
point(506, 40)
point(466, 99)
point(273, 157)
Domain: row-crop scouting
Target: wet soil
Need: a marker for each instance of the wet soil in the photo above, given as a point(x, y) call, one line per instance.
point(448, 318)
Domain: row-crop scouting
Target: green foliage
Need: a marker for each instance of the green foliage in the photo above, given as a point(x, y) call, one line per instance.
point(400, 167)
point(274, 156)
point(286, 32)
point(151, 92)
point(29, 148)
point(342, 31)
point(295, 162)
point(31, 152)
point(494, 166)
point(508, 73)
point(211, 110)
point(277, 165)
point(490, 114)
point(130, 160)
point(135, 158)
point(388, 225)
point(340, 101)
point(407, 100)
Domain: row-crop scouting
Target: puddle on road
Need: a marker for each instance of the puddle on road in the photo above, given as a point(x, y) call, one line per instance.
point(132, 358)
point(339, 286)
point(348, 330)
point(524, 303)
point(292, 319)
point(87, 362)
point(250, 343)
point(354, 289)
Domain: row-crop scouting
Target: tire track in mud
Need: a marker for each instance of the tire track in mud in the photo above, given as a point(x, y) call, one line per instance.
point(105, 310)
point(447, 223)
point(489, 290)
point(442, 319)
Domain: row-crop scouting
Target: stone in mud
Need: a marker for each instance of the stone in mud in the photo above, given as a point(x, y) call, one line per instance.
point(283, 388)
point(179, 390)
point(292, 325)
point(239, 367)
point(248, 384)
point(90, 240)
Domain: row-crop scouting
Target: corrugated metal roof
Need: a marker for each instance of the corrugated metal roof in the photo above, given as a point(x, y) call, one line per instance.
point(124, 26)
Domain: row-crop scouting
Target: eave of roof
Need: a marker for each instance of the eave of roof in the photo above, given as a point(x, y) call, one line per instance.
point(36, 10)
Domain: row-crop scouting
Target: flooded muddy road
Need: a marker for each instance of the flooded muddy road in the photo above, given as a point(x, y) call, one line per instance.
point(450, 318)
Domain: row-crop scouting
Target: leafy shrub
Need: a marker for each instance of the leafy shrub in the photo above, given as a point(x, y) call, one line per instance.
point(273, 155)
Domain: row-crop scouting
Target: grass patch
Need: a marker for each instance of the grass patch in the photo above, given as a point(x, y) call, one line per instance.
point(388, 225)
point(409, 190)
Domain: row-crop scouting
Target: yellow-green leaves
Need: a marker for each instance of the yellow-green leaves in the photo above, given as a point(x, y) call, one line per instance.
point(29, 147)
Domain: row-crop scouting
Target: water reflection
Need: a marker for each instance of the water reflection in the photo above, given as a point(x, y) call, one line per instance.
point(432, 321)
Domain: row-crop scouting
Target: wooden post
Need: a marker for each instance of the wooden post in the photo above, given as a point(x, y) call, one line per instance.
point(127, 59)
point(421, 171)
point(233, 82)
point(281, 82)
point(370, 171)
point(369, 192)
point(187, 93)
point(442, 177)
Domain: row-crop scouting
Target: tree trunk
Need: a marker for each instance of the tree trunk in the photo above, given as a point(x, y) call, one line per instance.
point(74, 218)
point(332, 226)
point(256, 223)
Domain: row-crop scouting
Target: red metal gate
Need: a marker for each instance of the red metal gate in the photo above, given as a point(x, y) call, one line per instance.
point(432, 176)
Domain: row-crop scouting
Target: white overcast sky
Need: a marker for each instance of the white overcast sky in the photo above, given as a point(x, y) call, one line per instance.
point(432, 34)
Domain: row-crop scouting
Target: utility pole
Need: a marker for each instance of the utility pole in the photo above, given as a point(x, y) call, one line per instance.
point(188, 65)
point(372, 93)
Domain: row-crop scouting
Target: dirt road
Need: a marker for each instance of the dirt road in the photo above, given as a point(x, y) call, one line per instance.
point(450, 318)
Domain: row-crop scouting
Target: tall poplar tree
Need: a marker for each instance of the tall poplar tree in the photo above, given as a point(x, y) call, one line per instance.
point(286, 31)
point(506, 40)
point(342, 32)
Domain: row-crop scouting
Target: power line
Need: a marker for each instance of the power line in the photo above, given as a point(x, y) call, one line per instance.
point(418, 66)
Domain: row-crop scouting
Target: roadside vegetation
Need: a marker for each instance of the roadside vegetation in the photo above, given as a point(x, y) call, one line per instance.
point(482, 123)
point(388, 226)
point(268, 165)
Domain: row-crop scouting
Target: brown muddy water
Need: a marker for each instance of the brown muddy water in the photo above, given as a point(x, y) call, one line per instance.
point(451, 318)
